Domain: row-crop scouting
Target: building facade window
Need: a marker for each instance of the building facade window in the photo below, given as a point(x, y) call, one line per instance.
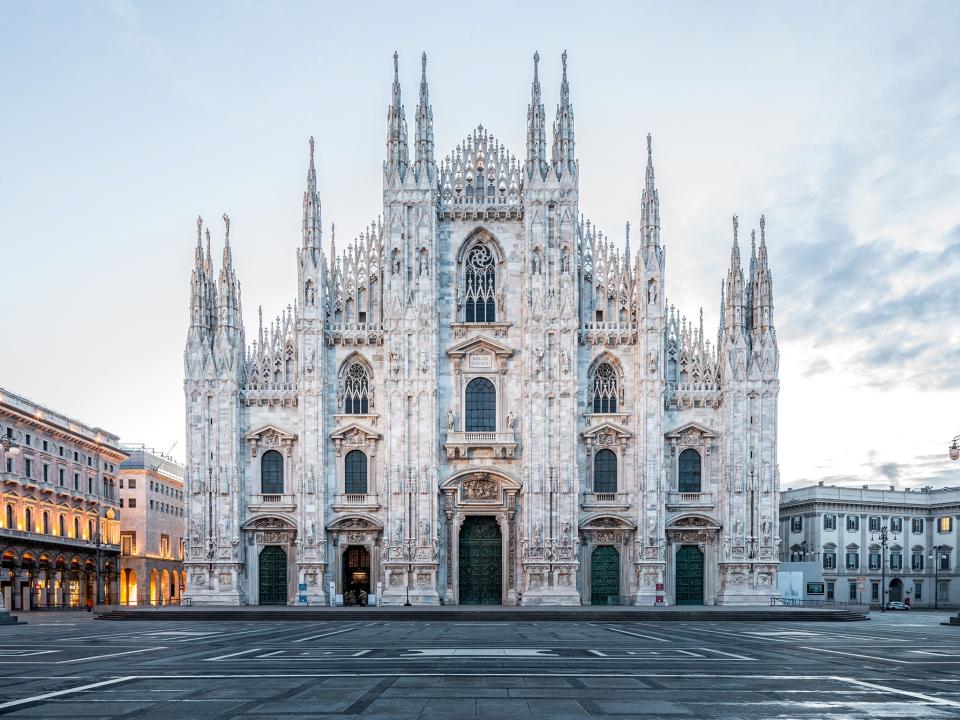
point(916, 526)
point(829, 560)
point(874, 524)
point(355, 473)
point(853, 522)
point(829, 522)
point(605, 472)
point(874, 561)
point(62, 525)
point(605, 391)
point(480, 281)
point(165, 546)
point(874, 590)
point(918, 589)
point(896, 560)
point(796, 524)
point(896, 524)
point(28, 520)
point(852, 591)
point(916, 560)
point(481, 406)
point(132, 503)
point(945, 524)
point(132, 484)
point(689, 472)
point(9, 523)
point(943, 590)
point(830, 590)
point(271, 473)
point(853, 560)
point(355, 390)
point(76, 528)
point(944, 559)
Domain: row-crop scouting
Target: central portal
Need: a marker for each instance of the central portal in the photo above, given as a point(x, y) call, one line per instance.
point(689, 575)
point(273, 576)
point(356, 575)
point(480, 559)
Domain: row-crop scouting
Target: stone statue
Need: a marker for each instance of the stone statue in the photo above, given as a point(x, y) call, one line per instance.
point(398, 534)
point(424, 530)
point(538, 533)
point(511, 420)
point(451, 419)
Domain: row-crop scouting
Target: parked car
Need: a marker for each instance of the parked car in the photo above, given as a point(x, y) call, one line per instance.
point(897, 605)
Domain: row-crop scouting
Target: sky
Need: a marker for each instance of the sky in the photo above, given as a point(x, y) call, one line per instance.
point(120, 122)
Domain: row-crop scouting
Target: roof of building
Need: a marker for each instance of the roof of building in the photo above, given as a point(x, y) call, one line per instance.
point(144, 458)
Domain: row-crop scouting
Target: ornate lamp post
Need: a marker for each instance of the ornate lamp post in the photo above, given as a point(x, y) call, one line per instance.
point(883, 537)
point(935, 559)
point(955, 448)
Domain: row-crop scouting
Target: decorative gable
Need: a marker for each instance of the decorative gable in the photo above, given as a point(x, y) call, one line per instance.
point(269, 437)
point(355, 435)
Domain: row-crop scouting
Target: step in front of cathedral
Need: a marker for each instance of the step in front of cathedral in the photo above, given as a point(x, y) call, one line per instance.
point(493, 614)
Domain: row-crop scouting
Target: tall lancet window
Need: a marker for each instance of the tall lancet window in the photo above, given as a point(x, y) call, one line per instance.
point(480, 279)
point(605, 389)
point(355, 389)
point(271, 473)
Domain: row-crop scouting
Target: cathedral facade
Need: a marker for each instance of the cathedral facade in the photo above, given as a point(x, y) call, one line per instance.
point(481, 399)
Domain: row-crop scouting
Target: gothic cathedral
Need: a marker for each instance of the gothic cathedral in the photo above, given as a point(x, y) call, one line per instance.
point(481, 400)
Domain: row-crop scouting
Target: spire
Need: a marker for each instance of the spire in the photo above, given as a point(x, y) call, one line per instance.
point(424, 134)
point(563, 154)
point(650, 203)
point(536, 131)
point(733, 310)
point(397, 155)
point(762, 286)
point(311, 207)
point(199, 311)
point(228, 300)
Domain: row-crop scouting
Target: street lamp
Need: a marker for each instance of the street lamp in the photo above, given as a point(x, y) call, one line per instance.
point(935, 558)
point(10, 446)
point(955, 448)
point(883, 537)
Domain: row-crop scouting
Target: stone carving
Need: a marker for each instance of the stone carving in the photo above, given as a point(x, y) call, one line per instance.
point(480, 487)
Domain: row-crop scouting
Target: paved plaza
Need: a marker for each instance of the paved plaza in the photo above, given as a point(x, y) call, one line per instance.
point(66, 665)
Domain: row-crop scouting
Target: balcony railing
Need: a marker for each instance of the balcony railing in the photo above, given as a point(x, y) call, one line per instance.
point(272, 501)
point(690, 499)
point(355, 501)
point(606, 500)
point(462, 445)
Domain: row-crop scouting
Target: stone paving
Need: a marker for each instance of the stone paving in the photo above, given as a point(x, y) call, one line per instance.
point(893, 666)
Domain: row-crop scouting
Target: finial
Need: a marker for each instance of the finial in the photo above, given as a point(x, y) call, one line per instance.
point(199, 228)
point(736, 228)
point(628, 231)
point(536, 58)
point(226, 222)
point(649, 146)
point(423, 64)
point(563, 59)
point(311, 149)
point(208, 237)
point(753, 241)
point(396, 65)
point(763, 226)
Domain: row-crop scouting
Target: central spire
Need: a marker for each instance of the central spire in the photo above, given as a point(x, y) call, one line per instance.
point(424, 132)
point(650, 203)
point(397, 155)
point(536, 131)
point(563, 155)
point(311, 207)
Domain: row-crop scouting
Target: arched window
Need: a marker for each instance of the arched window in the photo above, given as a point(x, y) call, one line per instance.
point(9, 524)
point(605, 472)
point(76, 528)
point(46, 523)
point(481, 415)
point(689, 472)
point(355, 387)
point(271, 473)
point(355, 473)
point(89, 529)
point(605, 389)
point(481, 286)
point(62, 526)
point(28, 517)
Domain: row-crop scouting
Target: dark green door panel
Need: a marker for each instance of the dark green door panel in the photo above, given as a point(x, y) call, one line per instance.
point(604, 575)
point(689, 575)
point(480, 559)
point(273, 576)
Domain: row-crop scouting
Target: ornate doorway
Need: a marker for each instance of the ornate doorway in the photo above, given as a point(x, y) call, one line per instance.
point(273, 576)
point(604, 575)
point(689, 575)
point(895, 593)
point(356, 575)
point(480, 559)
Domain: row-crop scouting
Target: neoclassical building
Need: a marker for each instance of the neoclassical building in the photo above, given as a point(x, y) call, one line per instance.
point(481, 399)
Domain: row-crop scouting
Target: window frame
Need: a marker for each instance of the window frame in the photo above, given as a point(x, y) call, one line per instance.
point(277, 473)
point(483, 417)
